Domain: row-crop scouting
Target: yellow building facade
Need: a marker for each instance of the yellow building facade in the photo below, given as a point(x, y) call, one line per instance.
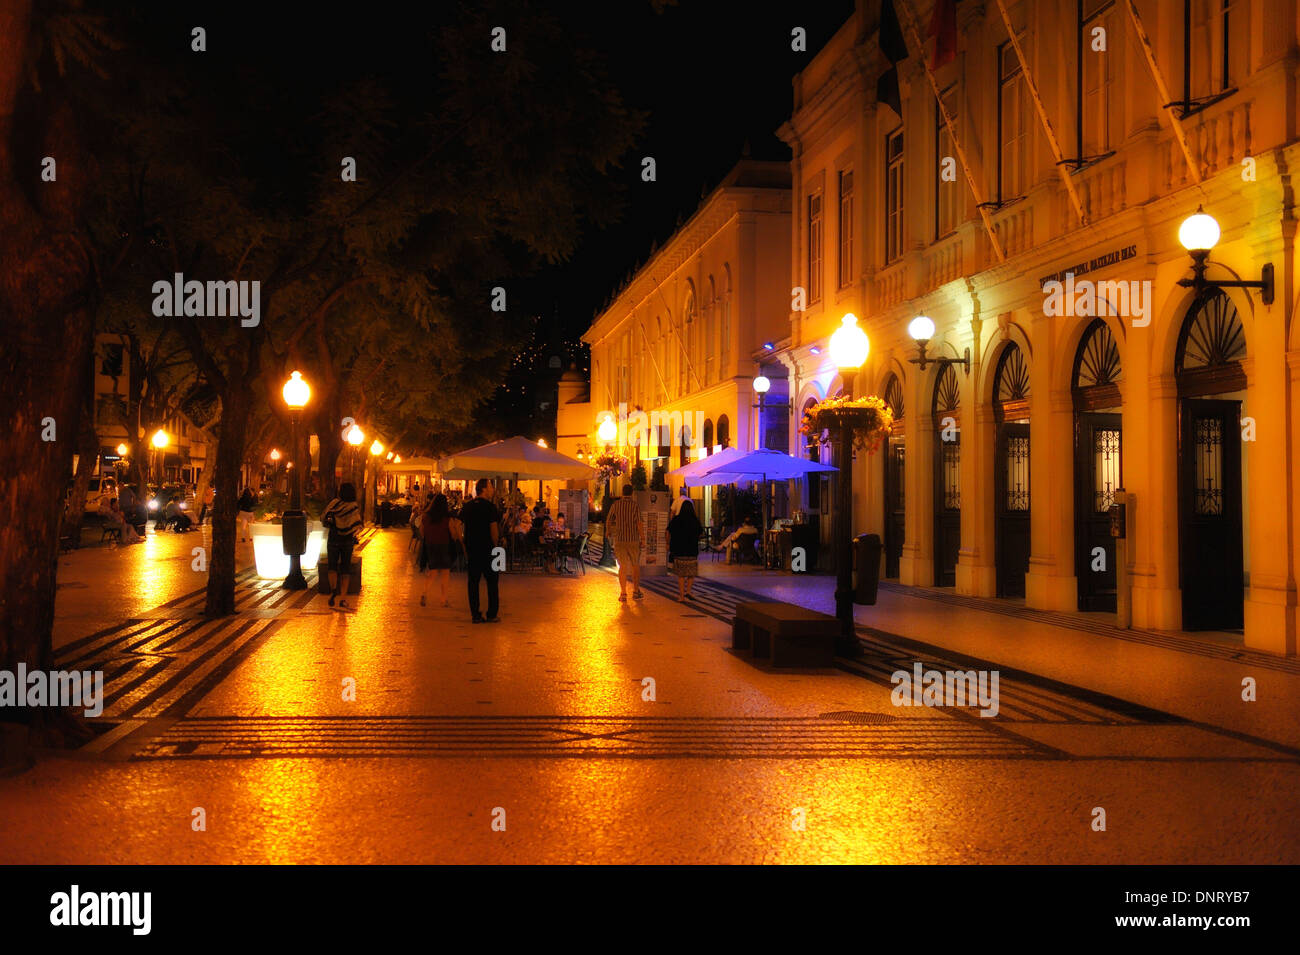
point(671, 354)
point(1052, 262)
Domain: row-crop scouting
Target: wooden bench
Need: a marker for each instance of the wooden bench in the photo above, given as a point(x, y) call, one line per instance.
point(784, 634)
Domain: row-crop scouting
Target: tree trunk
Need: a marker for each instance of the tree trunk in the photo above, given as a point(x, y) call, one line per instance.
point(331, 444)
point(87, 455)
point(44, 353)
point(236, 406)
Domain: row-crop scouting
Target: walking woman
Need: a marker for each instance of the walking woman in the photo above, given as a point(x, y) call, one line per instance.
point(684, 548)
point(245, 519)
point(343, 519)
point(437, 548)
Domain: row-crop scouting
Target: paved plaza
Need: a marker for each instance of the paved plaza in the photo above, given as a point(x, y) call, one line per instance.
point(546, 723)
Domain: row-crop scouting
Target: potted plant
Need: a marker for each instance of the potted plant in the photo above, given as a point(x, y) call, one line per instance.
point(638, 478)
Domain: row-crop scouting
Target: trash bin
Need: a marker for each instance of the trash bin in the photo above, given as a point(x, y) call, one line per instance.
point(866, 556)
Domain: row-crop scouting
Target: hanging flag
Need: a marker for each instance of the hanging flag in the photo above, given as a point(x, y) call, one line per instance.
point(895, 50)
point(943, 27)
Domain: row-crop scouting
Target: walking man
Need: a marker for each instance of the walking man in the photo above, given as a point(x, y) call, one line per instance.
point(627, 531)
point(482, 531)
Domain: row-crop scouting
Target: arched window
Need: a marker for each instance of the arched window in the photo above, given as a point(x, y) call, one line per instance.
point(724, 432)
point(724, 339)
point(661, 367)
point(708, 436)
point(1011, 389)
point(1211, 345)
point(1097, 370)
point(687, 347)
point(894, 396)
point(711, 334)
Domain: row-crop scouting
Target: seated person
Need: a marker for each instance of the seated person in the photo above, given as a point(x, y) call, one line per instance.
point(175, 517)
point(113, 517)
point(732, 543)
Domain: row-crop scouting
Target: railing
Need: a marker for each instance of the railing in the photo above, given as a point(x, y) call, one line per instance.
point(890, 285)
point(942, 262)
point(1015, 228)
point(1220, 137)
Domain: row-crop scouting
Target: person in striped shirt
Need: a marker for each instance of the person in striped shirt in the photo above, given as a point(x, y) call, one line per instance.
point(343, 519)
point(627, 531)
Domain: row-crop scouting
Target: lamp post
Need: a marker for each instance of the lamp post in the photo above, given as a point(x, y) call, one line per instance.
point(849, 349)
point(607, 432)
point(1198, 234)
point(355, 437)
point(376, 449)
point(293, 525)
point(160, 440)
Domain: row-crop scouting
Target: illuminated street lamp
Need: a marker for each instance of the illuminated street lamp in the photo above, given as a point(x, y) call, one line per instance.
point(354, 438)
point(541, 442)
point(1198, 234)
point(121, 450)
point(849, 350)
point(293, 525)
point(160, 440)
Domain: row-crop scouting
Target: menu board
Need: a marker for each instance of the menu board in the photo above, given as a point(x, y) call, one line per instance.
point(654, 507)
point(573, 505)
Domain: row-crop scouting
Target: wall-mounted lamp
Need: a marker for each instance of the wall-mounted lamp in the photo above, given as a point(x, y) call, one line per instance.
point(921, 329)
point(1198, 234)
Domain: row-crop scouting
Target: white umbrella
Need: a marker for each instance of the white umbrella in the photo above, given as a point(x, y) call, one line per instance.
point(701, 467)
point(525, 459)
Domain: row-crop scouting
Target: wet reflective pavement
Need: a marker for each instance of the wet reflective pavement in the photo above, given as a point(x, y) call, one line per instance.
point(546, 720)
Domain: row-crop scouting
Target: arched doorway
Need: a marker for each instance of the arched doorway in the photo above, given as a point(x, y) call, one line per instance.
point(894, 474)
point(1211, 551)
point(724, 431)
point(1011, 471)
point(1098, 463)
point(946, 409)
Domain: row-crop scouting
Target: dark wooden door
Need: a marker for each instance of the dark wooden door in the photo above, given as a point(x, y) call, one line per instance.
point(894, 504)
point(1011, 483)
point(947, 508)
point(1098, 473)
point(1211, 561)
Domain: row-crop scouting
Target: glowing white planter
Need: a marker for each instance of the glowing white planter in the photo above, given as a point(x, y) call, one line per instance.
point(268, 549)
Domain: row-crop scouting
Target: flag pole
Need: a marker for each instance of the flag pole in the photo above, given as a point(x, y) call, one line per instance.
point(1177, 124)
point(952, 132)
point(1042, 115)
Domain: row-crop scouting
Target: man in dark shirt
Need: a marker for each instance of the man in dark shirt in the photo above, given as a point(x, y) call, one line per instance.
point(482, 531)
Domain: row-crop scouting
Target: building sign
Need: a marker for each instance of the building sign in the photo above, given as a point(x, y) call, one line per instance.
point(1092, 265)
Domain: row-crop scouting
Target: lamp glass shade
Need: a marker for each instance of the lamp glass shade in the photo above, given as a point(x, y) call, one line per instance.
point(388, 456)
point(355, 436)
point(761, 384)
point(160, 438)
point(275, 454)
point(121, 450)
point(607, 431)
point(1199, 232)
point(849, 345)
point(921, 328)
point(376, 448)
point(541, 442)
point(397, 459)
point(296, 391)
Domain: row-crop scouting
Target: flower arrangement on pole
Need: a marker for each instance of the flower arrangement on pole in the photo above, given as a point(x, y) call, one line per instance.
point(610, 464)
point(869, 418)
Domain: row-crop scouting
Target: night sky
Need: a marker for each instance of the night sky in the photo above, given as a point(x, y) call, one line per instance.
point(712, 76)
